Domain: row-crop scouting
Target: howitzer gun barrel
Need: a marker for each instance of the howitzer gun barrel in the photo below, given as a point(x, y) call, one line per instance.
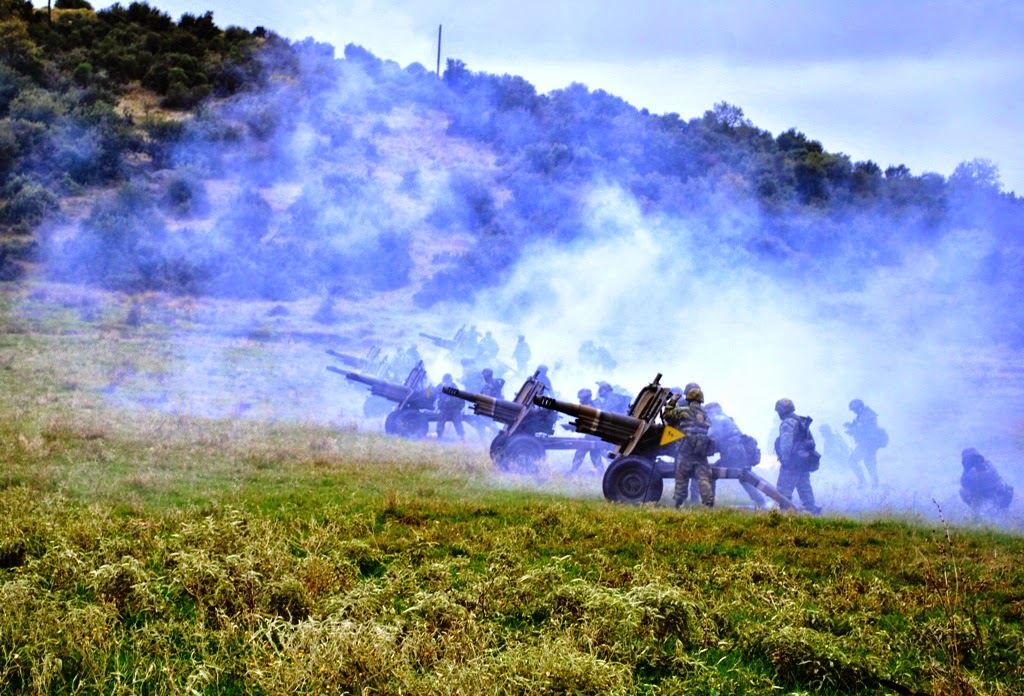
point(439, 341)
point(500, 410)
point(610, 427)
point(347, 359)
point(378, 387)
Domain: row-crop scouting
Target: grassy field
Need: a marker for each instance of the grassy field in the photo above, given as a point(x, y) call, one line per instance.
point(159, 537)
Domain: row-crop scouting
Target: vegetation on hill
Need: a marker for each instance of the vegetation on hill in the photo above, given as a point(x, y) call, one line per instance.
point(269, 168)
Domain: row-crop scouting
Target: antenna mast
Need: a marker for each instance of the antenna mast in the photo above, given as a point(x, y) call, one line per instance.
point(439, 50)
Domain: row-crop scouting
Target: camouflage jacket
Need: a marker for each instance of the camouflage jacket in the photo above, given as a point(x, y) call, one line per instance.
point(729, 440)
point(864, 428)
point(981, 479)
point(795, 443)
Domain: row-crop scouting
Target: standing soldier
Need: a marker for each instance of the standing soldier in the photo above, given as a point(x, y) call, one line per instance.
point(695, 447)
point(797, 459)
point(542, 377)
point(868, 438)
point(611, 401)
point(595, 448)
point(449, 409)
point(487, 350)
point(521, 354)
point(492, 385)
point(835, 450)
point(736, 450)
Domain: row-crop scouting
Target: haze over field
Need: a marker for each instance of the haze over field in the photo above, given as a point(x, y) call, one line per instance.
point(378, 202)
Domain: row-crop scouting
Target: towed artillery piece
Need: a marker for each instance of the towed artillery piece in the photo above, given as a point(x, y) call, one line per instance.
point(526, 435)
point(645, 449)
point(448, 343)
point(373, 364)
point(414, 404)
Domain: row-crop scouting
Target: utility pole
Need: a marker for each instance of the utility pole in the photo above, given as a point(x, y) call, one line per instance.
point(439, 50)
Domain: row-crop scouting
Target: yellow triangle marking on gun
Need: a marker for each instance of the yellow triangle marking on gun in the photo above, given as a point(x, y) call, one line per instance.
point(670, 434)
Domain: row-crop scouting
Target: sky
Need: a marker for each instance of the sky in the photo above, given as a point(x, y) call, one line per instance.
point(924, 83)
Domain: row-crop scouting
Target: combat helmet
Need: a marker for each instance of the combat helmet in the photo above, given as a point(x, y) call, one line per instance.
point(695, 394)
point(584, 395)
point(691, 385)
point(971, 457)
point(856, 405)
point(784, 407)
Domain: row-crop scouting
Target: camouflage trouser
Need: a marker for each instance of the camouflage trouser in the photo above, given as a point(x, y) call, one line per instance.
point(791, 477)
point(453, 417)
point(696, 468)
point(868, 455)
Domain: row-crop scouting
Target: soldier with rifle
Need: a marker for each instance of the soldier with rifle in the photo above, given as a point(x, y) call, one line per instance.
point(695, 447)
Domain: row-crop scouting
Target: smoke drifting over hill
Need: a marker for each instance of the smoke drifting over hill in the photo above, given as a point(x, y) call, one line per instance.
point(706, 250)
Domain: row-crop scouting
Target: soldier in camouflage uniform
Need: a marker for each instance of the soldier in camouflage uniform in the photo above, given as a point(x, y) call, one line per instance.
point(980, 484)
point(729, 440)
point(694, 448)
point(596, 448)
point(790, 446)
point(867, 437)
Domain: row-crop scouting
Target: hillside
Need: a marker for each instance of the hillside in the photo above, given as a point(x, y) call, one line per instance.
point(286, 172)
point(190, 215)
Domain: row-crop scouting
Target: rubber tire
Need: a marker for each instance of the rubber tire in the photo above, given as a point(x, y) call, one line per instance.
point(497, 450)
point(408, 423)
point(630, 480)
point(522, 454)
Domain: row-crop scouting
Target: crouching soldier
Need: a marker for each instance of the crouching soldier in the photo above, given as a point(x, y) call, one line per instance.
point(736, 450)
point(980, 483)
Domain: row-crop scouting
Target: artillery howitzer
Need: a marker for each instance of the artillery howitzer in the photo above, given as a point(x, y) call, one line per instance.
point(645, 449)
point(448, 343)
point(373, 364)
point(525, 437)
point(414, 409)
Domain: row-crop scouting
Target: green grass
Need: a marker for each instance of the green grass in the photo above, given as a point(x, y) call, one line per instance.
point(151, 551)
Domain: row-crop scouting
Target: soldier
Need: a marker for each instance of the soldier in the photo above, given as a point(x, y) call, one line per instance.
point(695, 447)
point(471, 377)
point(835, 449)
point(521, 354)
point(611, 401)
point(797, 458)
point(449, 409)
point(980, 483)
point(868, 438)
point(596, 451)
point(492, 385)
point(542, 377)
point(736, 450)
point(487, 349)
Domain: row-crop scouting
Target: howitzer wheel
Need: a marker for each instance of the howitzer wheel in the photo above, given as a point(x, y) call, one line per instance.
point(497, 449)
point(521, 453)
point(407, 423)
point(632, 480)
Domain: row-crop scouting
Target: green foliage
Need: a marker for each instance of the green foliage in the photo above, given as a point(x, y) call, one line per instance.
point(143, 551)
point(25, 202)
